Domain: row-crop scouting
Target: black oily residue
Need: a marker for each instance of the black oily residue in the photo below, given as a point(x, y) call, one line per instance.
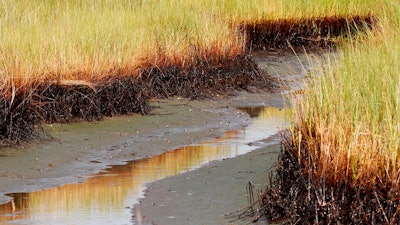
point(203, 79)
point(55, 102)
point(293, 198)
point(306, 32)
point(51, 102)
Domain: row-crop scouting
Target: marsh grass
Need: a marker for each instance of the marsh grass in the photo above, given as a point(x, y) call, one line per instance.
point(349, 118)
point(85, 42)
point(347, 123)
point(340, 161)
point(89, 40)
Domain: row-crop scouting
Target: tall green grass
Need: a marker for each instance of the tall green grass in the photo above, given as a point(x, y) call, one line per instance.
point(349, 119)
point(89, 39)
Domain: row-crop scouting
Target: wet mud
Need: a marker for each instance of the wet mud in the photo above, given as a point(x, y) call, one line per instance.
point(79, 150)
point(118, 188)
point(210, 194)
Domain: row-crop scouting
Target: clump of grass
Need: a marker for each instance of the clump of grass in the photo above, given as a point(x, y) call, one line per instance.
point(341, 162)
point(349, 118)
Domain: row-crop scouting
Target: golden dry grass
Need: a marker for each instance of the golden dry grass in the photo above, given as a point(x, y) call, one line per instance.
point(349, 120)
point(87, 40)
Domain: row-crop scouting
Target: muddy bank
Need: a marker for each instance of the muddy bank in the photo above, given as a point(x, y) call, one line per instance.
point(203, 196)
point(80, 150)
point(119, 93)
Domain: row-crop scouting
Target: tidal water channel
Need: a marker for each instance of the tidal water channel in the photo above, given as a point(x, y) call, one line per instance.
point(53, 183)
point(108, 197)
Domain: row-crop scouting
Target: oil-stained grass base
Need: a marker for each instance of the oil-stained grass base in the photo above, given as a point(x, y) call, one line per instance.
point(311, 33)
point(54, 102)
point(25, 109)
point(293, 198)
point(57, 102)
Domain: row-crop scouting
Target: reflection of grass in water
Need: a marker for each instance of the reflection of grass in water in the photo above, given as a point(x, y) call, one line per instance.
point(269, 113)
point(264, 113)
point(108, 191)
point(85, 40)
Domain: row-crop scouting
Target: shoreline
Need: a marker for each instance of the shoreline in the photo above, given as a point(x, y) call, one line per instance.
point(194, 197)
point(78, 151)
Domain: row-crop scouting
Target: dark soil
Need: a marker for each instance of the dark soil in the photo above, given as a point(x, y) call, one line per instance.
point(52, 102)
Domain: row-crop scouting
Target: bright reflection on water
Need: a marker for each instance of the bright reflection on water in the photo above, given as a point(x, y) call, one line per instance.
point(107, 197)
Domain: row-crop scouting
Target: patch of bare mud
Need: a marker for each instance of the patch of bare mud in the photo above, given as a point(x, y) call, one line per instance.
point(79, 150)
point(204, 196)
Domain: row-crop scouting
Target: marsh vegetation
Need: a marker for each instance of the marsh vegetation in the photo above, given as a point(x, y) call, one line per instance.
point(63, 61)
point(343, 150)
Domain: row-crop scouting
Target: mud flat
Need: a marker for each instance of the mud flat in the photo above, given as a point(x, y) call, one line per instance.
point(78, 151)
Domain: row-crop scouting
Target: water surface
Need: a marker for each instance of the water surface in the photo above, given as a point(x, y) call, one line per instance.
point(107, 198)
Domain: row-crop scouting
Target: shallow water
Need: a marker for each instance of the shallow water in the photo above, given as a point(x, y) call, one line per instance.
point(107, 198)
